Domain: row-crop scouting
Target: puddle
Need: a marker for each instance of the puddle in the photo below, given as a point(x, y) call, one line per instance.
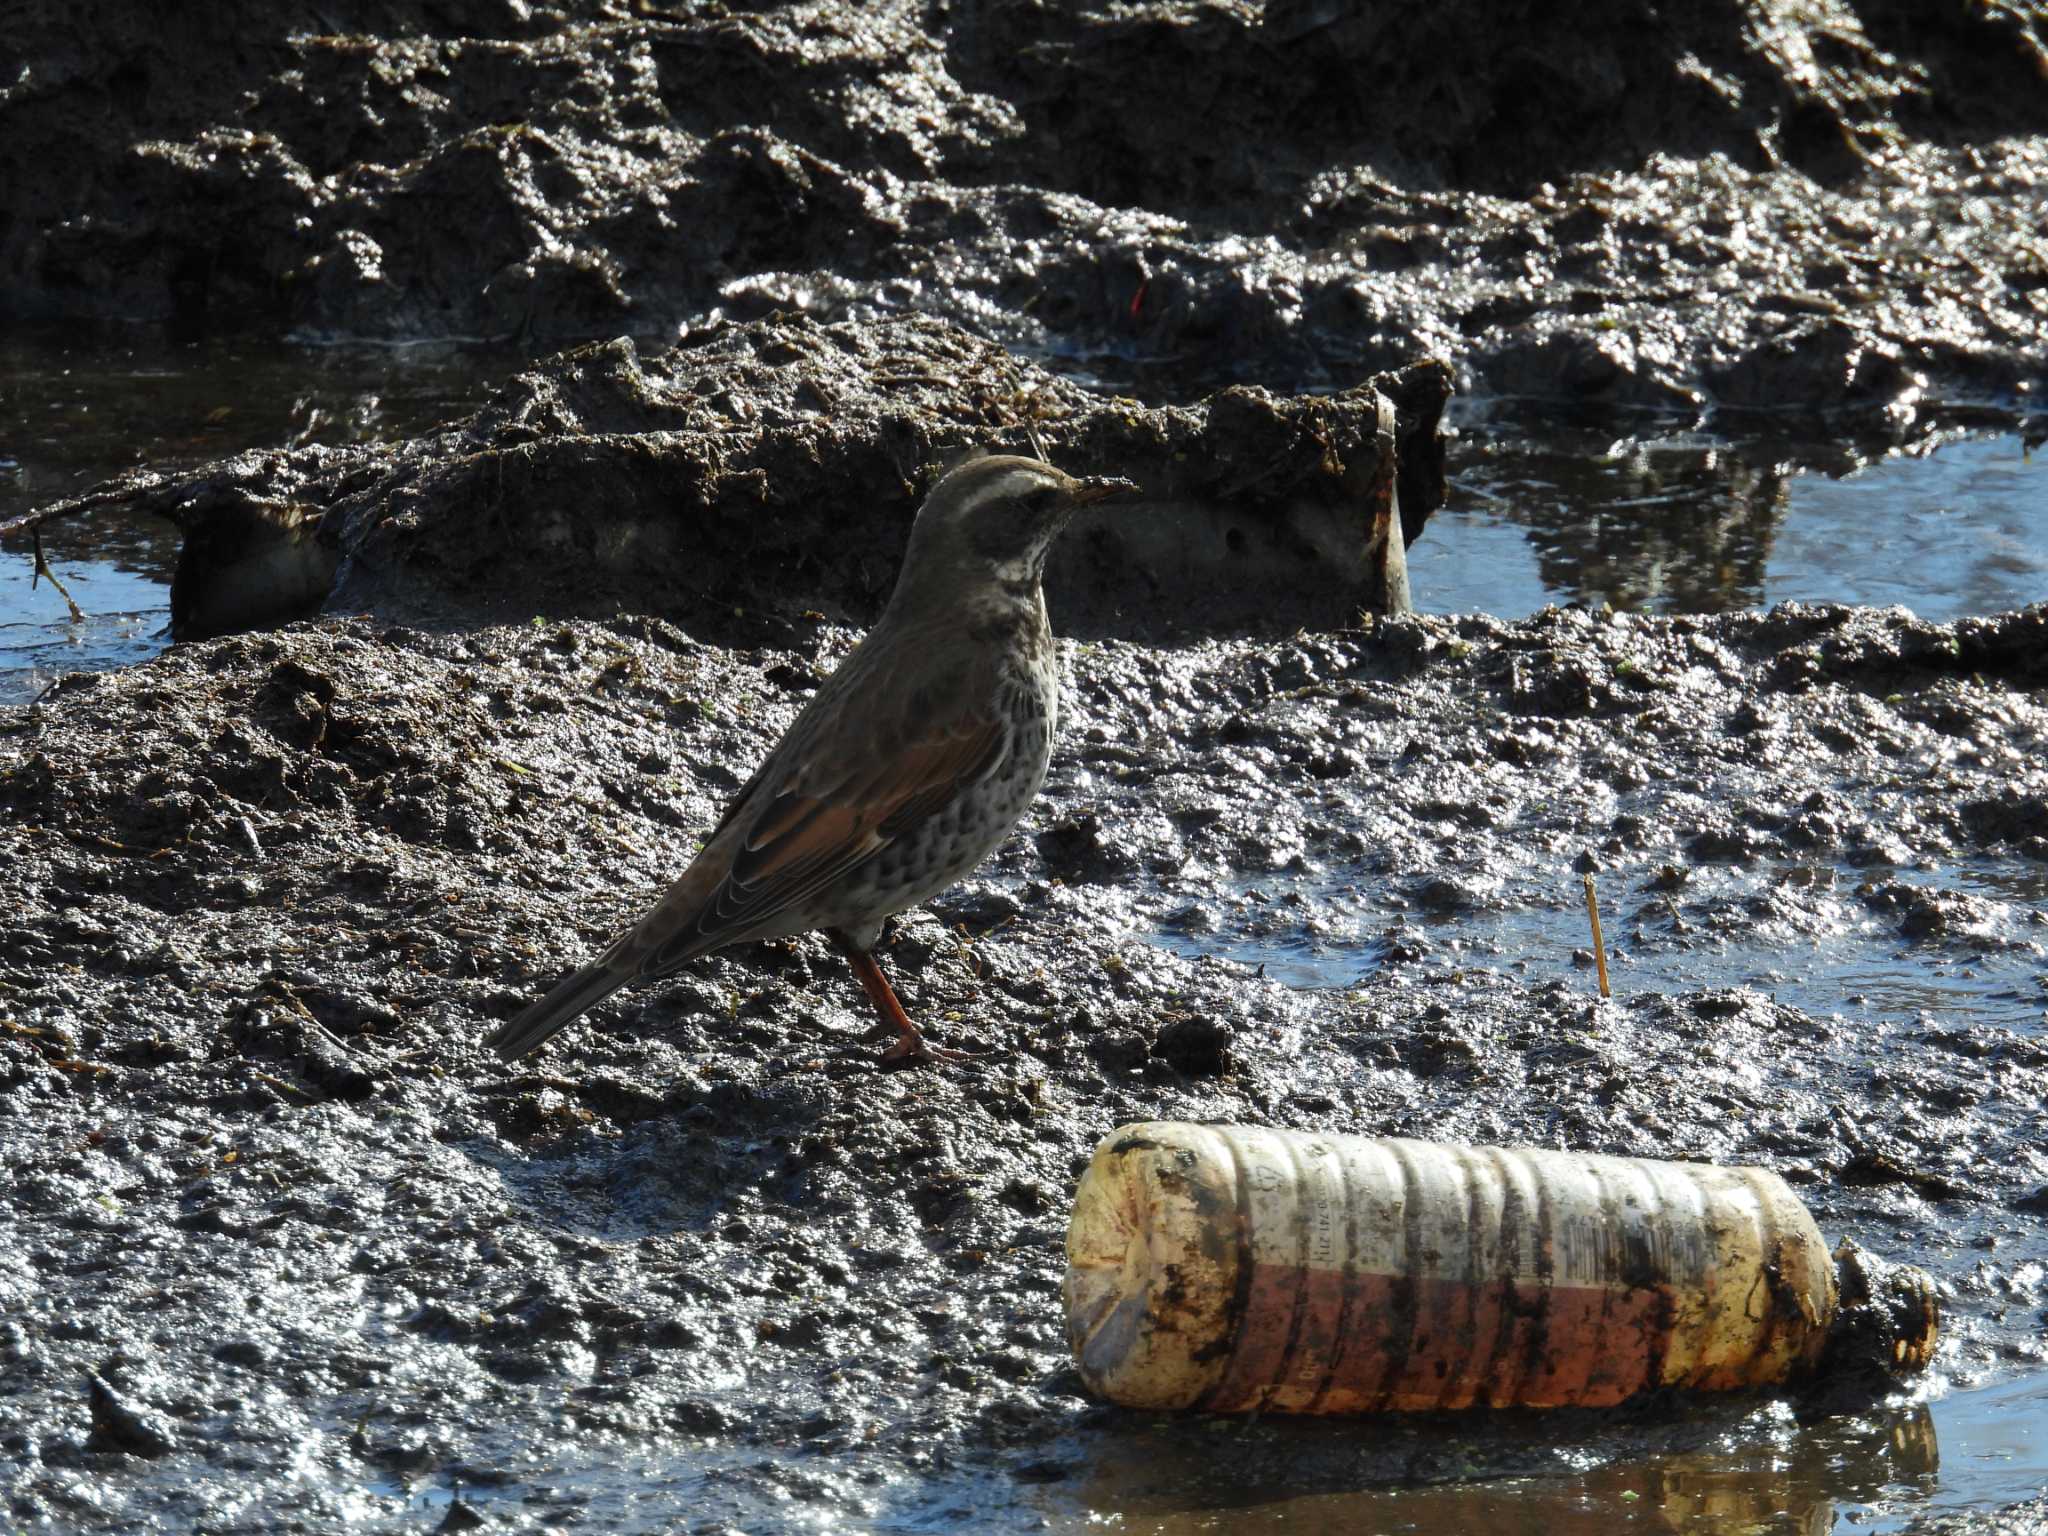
point(1740, 1469)
point(1541, 512)
point(1870, 1473)
point(1683, 522)
point(1994, 1449)
point(71, 416)
point(125, 616)
point(1829, 954)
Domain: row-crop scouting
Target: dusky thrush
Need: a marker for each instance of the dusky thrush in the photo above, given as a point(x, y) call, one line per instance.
point(909, 765)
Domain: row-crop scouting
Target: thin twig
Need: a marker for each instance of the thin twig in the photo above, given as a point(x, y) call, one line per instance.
point(119, 490)
point(43, 569)
point(1599, 946)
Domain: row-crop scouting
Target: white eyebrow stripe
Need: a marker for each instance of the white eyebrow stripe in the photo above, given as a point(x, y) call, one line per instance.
point(1012, 483)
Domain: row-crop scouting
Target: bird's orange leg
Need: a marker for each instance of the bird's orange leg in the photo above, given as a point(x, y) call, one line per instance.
point(909, 1047)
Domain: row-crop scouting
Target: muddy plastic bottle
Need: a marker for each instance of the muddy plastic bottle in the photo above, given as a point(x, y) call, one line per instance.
point(1229, 1268)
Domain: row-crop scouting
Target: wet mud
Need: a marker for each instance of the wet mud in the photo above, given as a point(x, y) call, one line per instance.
point(717, 478)
point(1777, 206)
point(284, 1249)
point(287, 1247)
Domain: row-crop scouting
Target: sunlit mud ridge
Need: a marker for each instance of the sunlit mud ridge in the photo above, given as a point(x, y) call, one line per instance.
point(1777, 205)
point(327, 1260)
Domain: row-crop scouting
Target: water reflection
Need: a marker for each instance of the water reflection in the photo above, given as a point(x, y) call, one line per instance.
point(1546, 505)
point(1690, 523)
point(75, 413)
point(1760, 1473)
point(1675, 525)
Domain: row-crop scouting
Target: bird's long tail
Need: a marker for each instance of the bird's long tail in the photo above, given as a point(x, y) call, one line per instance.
point(576, 992)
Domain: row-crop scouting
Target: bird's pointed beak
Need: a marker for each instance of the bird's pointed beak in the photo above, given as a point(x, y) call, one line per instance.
point(1095, 488)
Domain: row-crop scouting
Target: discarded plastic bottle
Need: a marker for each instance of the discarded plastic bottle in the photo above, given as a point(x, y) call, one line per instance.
point(1229, 1268)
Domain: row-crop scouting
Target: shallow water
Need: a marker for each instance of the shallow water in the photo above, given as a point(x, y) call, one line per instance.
point(72, 416)
point(1542, 509)
point(1691, 523)
point(1868, 1473)
point(1831, 956)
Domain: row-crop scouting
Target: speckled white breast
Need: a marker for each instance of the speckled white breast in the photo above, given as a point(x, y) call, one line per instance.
point(957, 837)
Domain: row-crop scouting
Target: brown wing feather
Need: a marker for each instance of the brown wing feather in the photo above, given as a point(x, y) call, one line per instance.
point(800, 827)
point(799, 844)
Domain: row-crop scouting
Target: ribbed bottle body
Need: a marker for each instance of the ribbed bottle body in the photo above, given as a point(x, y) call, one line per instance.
point(1230, 1267)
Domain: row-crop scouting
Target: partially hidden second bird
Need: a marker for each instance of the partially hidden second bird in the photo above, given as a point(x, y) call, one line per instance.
point(904, 771)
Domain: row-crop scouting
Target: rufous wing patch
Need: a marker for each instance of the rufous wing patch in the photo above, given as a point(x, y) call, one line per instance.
point(799, 844)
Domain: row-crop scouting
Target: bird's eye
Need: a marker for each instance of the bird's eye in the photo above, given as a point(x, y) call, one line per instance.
point(1043, 501)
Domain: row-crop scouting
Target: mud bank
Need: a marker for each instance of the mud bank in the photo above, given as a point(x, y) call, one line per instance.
point(1831, 210)
point(754, 471)
point(324, 1261)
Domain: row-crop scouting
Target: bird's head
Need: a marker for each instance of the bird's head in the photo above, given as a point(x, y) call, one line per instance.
point(994, 519)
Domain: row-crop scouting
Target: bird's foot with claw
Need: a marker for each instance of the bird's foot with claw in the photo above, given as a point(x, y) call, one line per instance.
point(913, 1050)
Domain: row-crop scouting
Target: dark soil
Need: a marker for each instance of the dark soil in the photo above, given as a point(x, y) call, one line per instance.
point(1680, 204)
